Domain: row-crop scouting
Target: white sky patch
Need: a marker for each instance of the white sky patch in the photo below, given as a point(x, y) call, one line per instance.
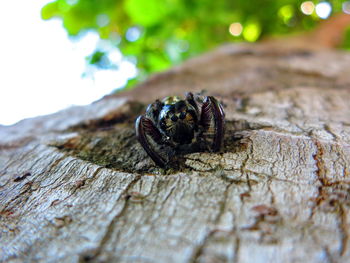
point(41, 68)
point(323, 10)
point(346, 7)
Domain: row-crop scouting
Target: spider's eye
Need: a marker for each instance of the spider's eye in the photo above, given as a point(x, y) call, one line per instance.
point(183, 115)
point(174, 118)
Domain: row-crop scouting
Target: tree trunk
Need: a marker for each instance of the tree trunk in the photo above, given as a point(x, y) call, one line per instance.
point(76, 186)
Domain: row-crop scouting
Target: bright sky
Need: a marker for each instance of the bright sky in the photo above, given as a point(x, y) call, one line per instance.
point(41, 68)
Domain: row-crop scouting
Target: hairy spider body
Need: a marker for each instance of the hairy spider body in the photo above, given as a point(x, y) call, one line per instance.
point(176, 125)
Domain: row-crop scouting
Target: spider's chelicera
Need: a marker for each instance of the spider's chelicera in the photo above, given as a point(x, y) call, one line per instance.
point(176, 126)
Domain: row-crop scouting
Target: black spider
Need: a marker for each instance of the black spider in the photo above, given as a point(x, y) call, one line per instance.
point(176, 125)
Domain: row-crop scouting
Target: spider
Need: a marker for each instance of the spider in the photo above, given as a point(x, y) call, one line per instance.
point(175, 126)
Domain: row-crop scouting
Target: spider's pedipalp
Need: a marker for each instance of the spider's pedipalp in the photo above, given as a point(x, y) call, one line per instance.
point(212, 121)
point(144, 126)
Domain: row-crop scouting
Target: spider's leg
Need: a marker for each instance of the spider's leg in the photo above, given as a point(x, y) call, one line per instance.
point(154, 109)
point(190, 99)
point(213, 121)
point(145, 127)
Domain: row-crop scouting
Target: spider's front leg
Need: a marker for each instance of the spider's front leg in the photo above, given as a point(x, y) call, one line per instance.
point(145, 128)
point(213, 120)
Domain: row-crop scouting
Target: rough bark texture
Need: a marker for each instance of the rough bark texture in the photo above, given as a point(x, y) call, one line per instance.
point(76, 186)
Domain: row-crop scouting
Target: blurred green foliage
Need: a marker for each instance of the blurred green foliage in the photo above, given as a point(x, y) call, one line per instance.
point(160, 33)
point(346, 42)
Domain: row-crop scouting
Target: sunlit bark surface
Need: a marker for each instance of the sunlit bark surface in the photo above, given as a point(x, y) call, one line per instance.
point(76, 186)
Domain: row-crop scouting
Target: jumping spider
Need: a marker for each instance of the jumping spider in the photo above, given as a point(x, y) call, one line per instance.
point(177, 126)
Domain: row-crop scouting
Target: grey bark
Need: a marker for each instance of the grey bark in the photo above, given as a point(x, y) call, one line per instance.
point(76, 186)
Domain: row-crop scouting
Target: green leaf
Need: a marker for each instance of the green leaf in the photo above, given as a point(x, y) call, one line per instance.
point(251, 31)
point(50, 10)
point(174, 30)
point(96, 57)
point(145, 13)
point(158, 62)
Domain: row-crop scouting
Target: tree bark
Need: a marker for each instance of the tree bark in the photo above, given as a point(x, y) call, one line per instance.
point(76, 186)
